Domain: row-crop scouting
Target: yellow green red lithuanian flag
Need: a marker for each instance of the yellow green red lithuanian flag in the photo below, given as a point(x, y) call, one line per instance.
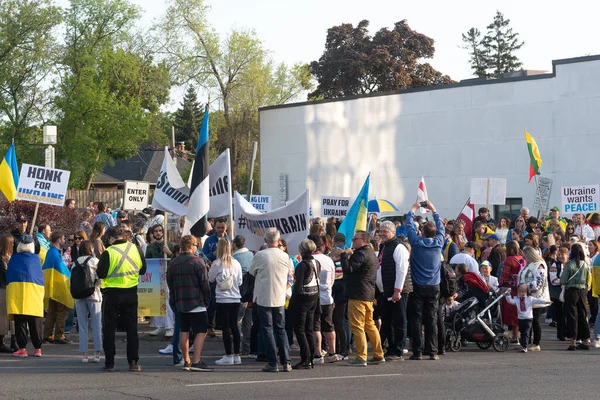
point(534, 156)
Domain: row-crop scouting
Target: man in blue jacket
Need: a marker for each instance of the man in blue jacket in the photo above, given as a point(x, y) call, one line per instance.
point(425, 263)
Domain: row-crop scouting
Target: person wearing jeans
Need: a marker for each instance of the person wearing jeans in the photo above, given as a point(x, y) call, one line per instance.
point(91, 306)
point(272, 270)
point(272, 320)
point(226, 273)
point(425, 264)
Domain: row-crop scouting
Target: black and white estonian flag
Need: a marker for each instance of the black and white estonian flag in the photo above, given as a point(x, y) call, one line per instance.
point(199, 202)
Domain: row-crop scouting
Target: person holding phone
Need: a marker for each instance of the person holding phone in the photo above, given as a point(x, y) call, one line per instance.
point(425, 263)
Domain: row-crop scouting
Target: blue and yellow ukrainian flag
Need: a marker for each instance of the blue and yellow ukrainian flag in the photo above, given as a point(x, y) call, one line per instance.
point(9, 174)
point(25, 286)
point(356, 218)
point(57, 279)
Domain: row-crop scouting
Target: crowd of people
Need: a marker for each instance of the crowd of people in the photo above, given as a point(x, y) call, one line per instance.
point(323, 299)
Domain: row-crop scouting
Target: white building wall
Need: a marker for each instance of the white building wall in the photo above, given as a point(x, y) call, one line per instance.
point(448, 135)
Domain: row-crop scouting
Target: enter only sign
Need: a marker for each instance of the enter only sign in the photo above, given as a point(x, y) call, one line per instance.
point(135, 195)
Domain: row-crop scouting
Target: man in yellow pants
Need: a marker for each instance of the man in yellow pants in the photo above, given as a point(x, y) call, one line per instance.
point(360, 271)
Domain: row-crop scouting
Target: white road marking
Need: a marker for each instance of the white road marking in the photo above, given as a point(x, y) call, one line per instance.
point(322, 378)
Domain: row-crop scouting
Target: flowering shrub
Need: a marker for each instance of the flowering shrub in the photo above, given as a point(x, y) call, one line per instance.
point(62, 219)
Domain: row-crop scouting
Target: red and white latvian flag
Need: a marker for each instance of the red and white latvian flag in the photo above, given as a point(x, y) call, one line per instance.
point(422, 194)
point(467, 215)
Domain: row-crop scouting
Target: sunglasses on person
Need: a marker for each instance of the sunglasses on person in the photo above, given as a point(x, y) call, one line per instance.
point(78, 238)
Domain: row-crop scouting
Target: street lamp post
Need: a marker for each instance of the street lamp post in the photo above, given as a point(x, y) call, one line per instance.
point(49, 139)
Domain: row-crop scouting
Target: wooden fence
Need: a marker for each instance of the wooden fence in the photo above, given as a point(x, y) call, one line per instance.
point(112, 198)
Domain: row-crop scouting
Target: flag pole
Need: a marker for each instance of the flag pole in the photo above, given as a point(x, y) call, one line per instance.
point(463, 207)
point(537, 187)
point(166, 230)
point(33, 221)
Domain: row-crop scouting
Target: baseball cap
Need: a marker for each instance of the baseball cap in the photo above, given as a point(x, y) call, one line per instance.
point(486, 263)
point(555, 209)
point(21, 218)
point(493, 236)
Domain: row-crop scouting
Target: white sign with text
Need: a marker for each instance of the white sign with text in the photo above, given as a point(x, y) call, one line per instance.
point(488, 191)
point(135, 195)
point(43, 185)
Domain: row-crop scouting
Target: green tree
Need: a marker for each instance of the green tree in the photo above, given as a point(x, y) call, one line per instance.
point(188, 119)
point(355, 63)
point(472, 43)
point(494, 54)
point(27, 48)
point(110, 89)
point(500, 44)
point(236, 71)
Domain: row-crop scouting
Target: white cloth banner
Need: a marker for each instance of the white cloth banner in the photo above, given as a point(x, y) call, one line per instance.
point(219, 178)
point(292, 221)
point(171, 194)
point(198, 206)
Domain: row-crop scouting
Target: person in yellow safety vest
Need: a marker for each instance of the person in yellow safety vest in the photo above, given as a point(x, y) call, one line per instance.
point(481, 231)
point(119, 268)
point(555, 219)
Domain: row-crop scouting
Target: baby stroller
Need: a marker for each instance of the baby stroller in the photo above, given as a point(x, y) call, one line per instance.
point(468, 322)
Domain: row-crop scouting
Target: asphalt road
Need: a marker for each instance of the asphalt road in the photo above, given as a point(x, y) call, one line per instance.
point(471, 373)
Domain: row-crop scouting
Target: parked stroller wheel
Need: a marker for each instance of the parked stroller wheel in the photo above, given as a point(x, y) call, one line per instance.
point(455, 343)
point(500, 343)
point(483, 345)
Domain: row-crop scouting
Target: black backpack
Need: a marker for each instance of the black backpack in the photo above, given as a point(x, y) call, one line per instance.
point(247, 288)
point(447, 281)
point(83, 284)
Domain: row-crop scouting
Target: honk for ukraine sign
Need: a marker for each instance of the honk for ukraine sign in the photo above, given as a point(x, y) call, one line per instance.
point(43, 185)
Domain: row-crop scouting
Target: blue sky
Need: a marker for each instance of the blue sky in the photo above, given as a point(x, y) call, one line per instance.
point(295, 31)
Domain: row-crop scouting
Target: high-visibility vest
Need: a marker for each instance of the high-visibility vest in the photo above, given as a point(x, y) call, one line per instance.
point(124, 268)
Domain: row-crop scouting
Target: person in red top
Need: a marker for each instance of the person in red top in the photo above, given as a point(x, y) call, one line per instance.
point(513, 264)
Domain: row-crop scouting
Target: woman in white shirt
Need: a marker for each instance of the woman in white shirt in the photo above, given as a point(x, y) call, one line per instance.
point(502, 230)
point(226, 271)
point(535, 276)
point(91, 306)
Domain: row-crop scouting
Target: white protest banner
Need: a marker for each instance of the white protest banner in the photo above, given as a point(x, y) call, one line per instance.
point(43, 185)
point(544, 188)
point(291, 220)
point(579, 199)
point(171, 194)
point(135, 195)
point(488, 191)
point(332, 206)
point(219, 180)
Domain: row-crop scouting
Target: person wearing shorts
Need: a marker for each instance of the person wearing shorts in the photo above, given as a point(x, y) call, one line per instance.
point(324, 314)
point(189, 289)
